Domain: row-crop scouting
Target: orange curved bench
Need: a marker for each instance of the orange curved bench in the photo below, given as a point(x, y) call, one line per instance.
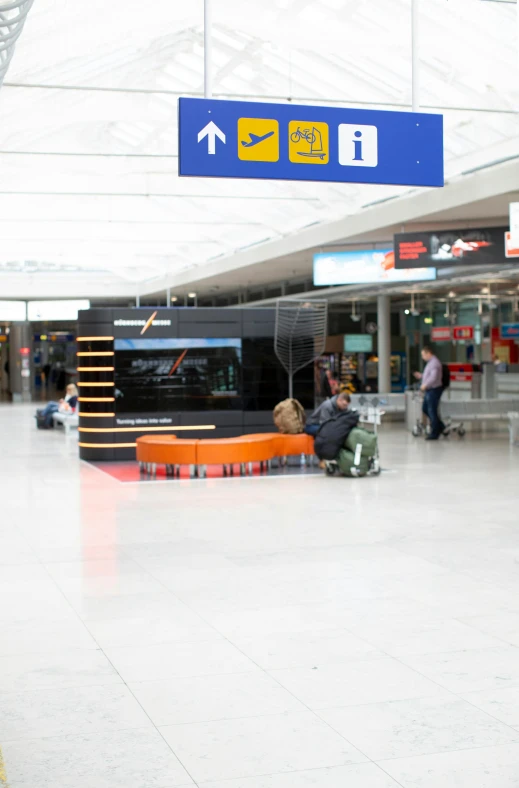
point(153, 450)
point(293, 445)
point(241, 451)
point(172, 453)
point(148, 445)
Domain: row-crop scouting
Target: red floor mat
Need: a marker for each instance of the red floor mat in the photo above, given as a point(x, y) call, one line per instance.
point(129, 471)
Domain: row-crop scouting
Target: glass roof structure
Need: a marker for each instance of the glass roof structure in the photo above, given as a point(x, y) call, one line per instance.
point(88, 122)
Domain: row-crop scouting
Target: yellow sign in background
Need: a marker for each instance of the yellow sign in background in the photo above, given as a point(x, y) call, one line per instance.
point(258, 139)
point(308, 142)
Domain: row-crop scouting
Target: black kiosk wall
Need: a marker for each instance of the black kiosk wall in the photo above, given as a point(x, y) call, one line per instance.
point(192, 372)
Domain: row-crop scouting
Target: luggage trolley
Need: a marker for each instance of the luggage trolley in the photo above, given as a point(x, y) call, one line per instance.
point(417, 423)
point(413, 411)
point(370, 413)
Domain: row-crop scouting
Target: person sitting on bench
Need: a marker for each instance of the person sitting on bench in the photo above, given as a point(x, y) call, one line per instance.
point(67, 406)
point(327, 410)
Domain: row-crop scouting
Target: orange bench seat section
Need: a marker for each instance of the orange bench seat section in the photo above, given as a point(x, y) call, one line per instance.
point(174, 452)
point(169, 450)
point(229, 451)
point(149, 446)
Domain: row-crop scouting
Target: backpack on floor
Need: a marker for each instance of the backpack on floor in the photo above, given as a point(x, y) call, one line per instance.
point(40, 421)
point(352, 463)
point(364, 438)
point(333, 433)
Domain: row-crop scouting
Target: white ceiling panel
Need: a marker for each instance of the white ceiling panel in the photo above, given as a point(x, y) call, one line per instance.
point(88, 119)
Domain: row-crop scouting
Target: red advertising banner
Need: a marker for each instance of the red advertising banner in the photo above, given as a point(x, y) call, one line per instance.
point(463, 332)
point(441, 334)
point(461, 373)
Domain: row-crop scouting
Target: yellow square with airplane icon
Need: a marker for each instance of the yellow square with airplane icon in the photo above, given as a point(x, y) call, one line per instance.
point(308, 142)
point(258, 139)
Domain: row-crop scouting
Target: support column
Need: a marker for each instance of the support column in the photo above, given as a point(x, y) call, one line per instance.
point(415, 55)
point(384, 343)
point(21, 368)
point(208, 50)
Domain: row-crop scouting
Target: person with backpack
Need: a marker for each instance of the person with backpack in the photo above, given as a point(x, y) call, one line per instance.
point(433, 384)
point(327, 410)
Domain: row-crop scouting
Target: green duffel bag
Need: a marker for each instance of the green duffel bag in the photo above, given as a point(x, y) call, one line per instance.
point(367, 439)
point(346, 463)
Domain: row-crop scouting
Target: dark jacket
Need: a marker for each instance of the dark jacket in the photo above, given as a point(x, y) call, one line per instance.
point(333, 433)
point(327, 410)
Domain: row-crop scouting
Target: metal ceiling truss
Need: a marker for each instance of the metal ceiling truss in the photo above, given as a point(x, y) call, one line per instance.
point(12, 19)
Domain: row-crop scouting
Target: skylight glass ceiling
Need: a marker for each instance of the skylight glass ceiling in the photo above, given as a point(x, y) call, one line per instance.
point(88, 129)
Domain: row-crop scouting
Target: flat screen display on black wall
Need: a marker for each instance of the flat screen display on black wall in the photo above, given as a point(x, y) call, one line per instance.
point(164, 375)
point(451, 248)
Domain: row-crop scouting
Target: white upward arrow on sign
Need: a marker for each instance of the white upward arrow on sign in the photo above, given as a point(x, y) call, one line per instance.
point(211, 131)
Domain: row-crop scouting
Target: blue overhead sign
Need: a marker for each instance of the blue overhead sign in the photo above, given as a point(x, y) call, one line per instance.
point(240, 139)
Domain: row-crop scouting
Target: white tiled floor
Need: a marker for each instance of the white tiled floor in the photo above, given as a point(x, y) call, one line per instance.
point(268, 633)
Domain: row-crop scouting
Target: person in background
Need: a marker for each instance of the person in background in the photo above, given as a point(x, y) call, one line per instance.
point(66, 405)
point(46, 374)
point(334, 384)
point(328, 410)
point(324, 383)
point(432, 387)
point(500, 365)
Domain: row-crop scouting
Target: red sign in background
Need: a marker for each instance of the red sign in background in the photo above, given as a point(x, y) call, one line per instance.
point(462, 373)
point(446, 333)
point(441, 334)
point(463, 332)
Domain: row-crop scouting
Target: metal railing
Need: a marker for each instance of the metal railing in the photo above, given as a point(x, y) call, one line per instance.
point(479, 409)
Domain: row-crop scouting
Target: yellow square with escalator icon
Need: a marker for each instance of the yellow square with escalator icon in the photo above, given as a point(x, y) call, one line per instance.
point(308, 142)
point(258, 139)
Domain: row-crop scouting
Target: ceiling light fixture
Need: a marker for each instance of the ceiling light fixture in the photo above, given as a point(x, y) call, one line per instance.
point(414, 310)
point(354, 315)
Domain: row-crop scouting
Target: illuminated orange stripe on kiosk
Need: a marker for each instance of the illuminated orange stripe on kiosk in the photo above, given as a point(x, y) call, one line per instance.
point(95, 339)
point(146, 429)
point(106, 383)
point(96, 399)
point(95, 369)
point(107, 445)
point(97, 415)
point(96, 353)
